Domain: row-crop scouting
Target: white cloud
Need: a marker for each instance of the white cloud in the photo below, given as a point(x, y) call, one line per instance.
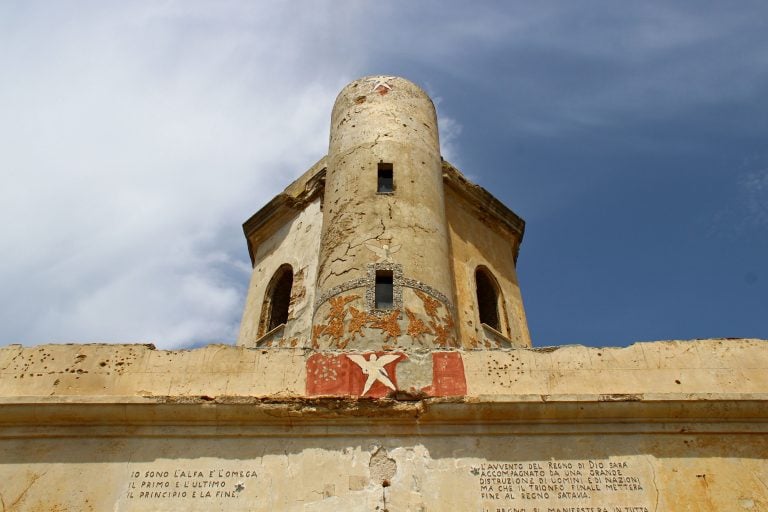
point(136, 137)
point(449, 128)
point(578, 66)
point(134, 140)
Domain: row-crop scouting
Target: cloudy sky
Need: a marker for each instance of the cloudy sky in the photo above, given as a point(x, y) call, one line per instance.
point(136, 137)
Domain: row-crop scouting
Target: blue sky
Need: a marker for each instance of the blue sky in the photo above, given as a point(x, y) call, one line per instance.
point(136, 137)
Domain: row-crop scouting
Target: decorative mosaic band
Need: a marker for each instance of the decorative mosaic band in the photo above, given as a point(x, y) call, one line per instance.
point(360, 282)
point(369, 283)
point(418, 285)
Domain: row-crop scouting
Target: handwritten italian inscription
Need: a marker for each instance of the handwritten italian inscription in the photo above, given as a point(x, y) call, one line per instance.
point(188, 483)
point(594, 485)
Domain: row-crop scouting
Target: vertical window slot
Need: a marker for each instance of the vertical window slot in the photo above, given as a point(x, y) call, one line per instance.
point(384, 290)
point(385, 184)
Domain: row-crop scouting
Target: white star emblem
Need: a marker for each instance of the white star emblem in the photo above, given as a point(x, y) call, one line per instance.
point(374, 369)
point(380, 81)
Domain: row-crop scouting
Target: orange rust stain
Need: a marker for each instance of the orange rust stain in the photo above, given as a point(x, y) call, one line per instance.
point(335, 317)
point(338, 304)
point(317, 331)
point(443, 331)
point(416, 327)
point(430, 304)
point(359, 320)
point(388, 324)
point(335, 329)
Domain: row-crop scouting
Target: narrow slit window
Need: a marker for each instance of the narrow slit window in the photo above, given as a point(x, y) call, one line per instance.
point(384, 290)
point(386, 183)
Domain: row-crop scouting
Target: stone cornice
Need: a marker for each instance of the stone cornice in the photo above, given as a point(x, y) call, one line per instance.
point(525, 414)
point(311, 185)
point(284, 205)
point(485, 205)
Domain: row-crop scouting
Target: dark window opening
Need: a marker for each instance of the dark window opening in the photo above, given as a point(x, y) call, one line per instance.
point(384, 290)
point(386, 181)
point(487, 298)
point(278, 299)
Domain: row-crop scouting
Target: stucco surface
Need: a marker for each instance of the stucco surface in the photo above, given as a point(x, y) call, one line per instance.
point(408, 406)
point(295, 243)
point(340, 233)
point(474, 243)
point(634, 472)
point(678, 425)
point(718, 366)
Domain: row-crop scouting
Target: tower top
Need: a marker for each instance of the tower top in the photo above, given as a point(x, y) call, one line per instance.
point(382, 245)
point(378, 108)
point(380, 84)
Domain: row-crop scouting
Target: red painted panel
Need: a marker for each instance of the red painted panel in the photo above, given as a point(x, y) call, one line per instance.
point(339, 375)
point(447, 375)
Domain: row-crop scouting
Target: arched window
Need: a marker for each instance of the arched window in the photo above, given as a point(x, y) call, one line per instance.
point(274, 312)
point(487, 298)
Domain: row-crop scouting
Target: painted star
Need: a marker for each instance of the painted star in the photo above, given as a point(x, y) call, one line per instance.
point(374, 369)
point(380, 81)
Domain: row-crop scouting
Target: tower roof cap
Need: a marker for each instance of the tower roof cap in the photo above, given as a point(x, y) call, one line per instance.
point(381, 84)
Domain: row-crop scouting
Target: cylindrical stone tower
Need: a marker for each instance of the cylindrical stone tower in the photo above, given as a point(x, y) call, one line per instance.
point(384, 275)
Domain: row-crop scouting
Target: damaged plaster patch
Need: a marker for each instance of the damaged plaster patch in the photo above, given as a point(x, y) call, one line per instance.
point(415, 372)
point(382, 468)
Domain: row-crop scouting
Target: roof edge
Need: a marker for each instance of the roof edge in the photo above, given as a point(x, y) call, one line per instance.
point(291, 200)
point(484, 203)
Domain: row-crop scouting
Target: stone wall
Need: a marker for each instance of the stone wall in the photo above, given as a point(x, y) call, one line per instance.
point(285, 232)
point(475, 242)
point(296, 244)
point(654, 426)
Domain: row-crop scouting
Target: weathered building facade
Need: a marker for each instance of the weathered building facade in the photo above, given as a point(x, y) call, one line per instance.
point(382, 244)
point(384, 364)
